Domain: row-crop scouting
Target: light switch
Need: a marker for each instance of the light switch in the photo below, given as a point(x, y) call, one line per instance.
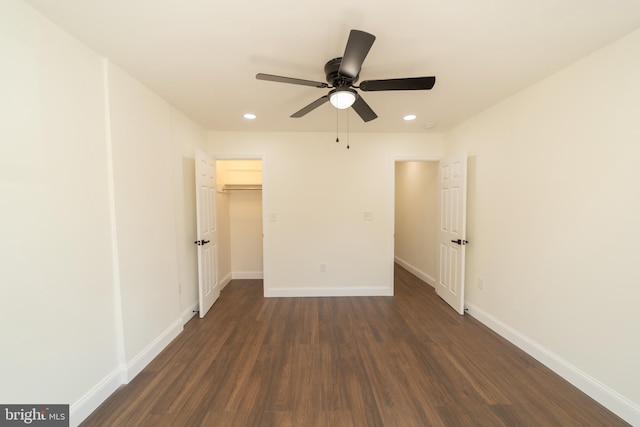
point(367, 216)
point(273, 217)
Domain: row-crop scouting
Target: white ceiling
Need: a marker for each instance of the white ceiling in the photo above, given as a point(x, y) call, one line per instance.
point(203, 55)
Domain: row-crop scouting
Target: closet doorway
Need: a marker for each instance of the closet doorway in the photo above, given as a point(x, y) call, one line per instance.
point(416, 218)
point(240, 217)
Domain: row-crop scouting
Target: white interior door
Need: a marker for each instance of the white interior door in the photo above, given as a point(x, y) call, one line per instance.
point(207, 240)
point(452, 178)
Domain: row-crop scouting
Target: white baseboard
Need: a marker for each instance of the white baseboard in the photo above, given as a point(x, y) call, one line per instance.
point(225, 281)
point(327, 292)
point(247, 275)
point(189, 312)
point(430, 280)
point(138, 363)
point(616, 403)
point(88, 403)
point(81, 409)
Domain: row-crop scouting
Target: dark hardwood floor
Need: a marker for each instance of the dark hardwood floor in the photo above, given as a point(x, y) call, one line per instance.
point(407, 360)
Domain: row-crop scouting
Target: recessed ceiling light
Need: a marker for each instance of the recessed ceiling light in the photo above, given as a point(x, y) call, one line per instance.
point(409, 117)
point(250, 116)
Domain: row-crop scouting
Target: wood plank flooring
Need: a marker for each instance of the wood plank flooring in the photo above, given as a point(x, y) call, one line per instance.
point(407, 360)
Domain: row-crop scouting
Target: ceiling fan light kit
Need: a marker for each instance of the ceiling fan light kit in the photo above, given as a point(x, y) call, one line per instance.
point(342, 98)
point(342, 74)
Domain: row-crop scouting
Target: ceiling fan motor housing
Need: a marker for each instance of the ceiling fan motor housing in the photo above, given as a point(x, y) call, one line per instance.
point(342, 74)
point(333, 76)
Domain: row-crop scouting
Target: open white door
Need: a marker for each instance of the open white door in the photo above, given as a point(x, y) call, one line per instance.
point(452, 178)
point(207, 239)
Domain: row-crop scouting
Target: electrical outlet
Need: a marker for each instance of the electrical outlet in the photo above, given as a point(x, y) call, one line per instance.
point(481, 283)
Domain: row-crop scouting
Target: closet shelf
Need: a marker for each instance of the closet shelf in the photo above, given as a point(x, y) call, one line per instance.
point(229, 187)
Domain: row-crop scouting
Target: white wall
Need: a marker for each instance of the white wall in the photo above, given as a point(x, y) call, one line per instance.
point(97, 204)
point(223, 222)
point(416, 216)
point(318, 192)
point(187, 136)
point(555, 207)
point(57, 309)
point(153, 149)
point(245, 213)
point(143, 162)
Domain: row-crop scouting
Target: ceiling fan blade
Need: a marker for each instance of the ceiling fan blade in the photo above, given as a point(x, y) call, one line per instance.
point(356, 51)
point(280, 79)
point(315, 104)
point(364, 111)
point(409, 83)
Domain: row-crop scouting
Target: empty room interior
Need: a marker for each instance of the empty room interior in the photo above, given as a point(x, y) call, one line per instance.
point(174, 173)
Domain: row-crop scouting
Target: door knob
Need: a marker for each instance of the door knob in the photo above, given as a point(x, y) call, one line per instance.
point(201, 242)
point(460, 242)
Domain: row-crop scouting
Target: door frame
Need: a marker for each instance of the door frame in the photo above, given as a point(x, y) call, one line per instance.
point(393, 203)
point(265, 223)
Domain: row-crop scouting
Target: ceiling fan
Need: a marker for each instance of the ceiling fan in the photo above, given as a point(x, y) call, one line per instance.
point(342, 74)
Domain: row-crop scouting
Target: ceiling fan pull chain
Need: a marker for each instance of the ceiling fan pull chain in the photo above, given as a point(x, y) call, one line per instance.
point(348, 129)
point(337, 133)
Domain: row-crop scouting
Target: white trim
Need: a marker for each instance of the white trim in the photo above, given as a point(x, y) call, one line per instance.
point(265, 208)
point(239, 156)
point(225, 281)
point(416, 272)
point(420, 274)
point(81, 409)
point(138, 363)
point(189, 312)
point(616, 403)
point(115, 256)
point(88, 403)
point(247, 275)
point(417, 159)
point(328, 292)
